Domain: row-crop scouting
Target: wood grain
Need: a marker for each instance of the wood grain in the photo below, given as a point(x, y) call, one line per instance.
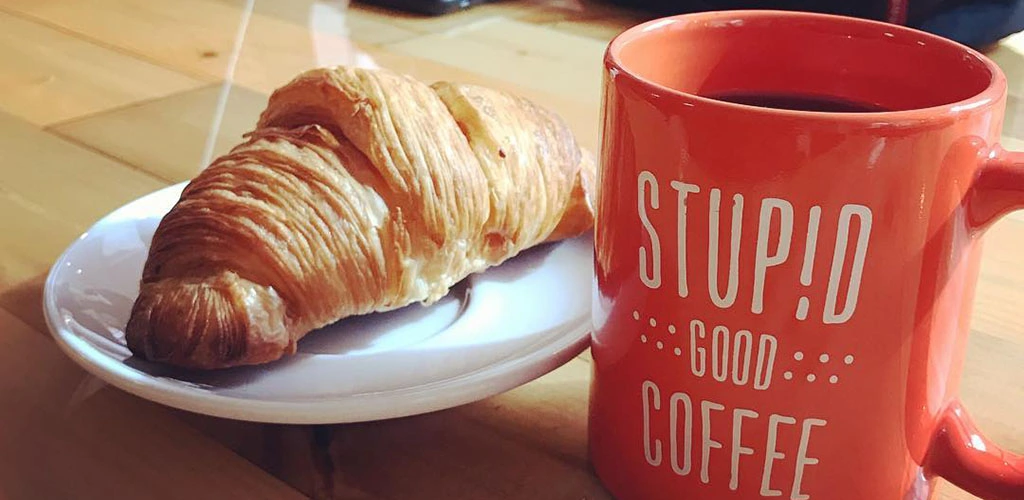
point(146, 30)
point(41, 216)
point(166, 137)
point(274, 49)
point(50, 76)
point(446, 454)
point(560, 63)
point(63, 436)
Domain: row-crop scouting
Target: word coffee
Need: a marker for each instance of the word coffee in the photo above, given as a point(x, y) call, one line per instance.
point(690, 435)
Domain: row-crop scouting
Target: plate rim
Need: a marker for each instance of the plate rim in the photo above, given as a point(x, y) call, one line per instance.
point(468, 387)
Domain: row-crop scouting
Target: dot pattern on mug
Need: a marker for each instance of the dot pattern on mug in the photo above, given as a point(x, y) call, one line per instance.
point(644, 338)
point(823, 362)
point(651, 335)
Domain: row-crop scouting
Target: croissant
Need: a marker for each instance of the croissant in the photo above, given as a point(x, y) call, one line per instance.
point(358, 191)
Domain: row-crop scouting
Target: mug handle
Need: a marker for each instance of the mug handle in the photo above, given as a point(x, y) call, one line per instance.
point(959, 452)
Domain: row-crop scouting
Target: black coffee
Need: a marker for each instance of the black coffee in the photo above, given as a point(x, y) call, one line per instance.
point(798, 102)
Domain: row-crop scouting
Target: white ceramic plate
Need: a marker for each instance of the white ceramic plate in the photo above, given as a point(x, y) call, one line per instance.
point(494, 331)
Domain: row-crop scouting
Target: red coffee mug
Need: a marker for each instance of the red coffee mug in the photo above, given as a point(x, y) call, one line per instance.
point(782, 295)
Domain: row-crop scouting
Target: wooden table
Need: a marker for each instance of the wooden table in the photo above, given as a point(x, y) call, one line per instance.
point(102, 101)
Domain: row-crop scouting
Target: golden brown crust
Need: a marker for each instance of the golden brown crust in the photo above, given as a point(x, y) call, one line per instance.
point(358, 191)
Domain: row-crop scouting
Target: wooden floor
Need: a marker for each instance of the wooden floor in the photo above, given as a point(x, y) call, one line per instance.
point(102, 101)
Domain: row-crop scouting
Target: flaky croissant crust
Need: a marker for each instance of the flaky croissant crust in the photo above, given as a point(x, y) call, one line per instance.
point(358, 191)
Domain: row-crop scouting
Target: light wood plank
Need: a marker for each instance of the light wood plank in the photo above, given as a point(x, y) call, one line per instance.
point(1009, 55)
point(60, 439)
point(151, 30)
point(991, 388)
point(448, 454)
point(545, 12)
point(299, 455)
point(455, 453)
point(1013, 124)
point(333, 16)
point(274, 49)
point(597, 20)
point(1000, 290)
point(523, 54)
point(41, 216)
point(274, 53)
point(1012, 143)
point(167, 137)
point(508, 9)
point(599, 29)
point(545, 414)
point(49, 76)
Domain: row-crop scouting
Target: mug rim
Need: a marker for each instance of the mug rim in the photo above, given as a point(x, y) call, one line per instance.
point(991, 94)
